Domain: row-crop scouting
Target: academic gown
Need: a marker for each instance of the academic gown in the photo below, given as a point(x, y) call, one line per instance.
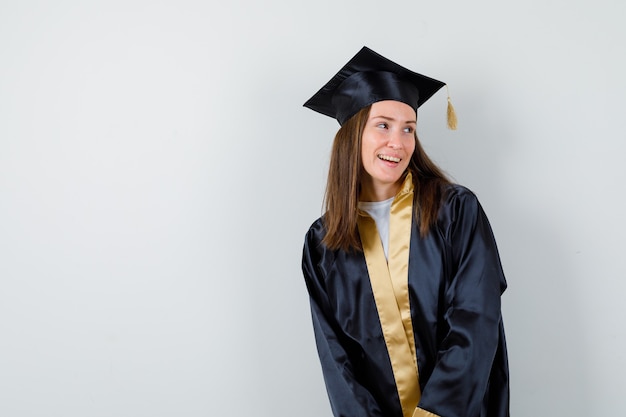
point(455, 281)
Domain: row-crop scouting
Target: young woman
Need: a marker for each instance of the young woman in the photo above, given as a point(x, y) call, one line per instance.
point(402, 270)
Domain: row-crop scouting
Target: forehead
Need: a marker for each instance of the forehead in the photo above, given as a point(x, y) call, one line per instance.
point(393, 109)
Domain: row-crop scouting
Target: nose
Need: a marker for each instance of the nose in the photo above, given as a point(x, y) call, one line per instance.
point(394, 142)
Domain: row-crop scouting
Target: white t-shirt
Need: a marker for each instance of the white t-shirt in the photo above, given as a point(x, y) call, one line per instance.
point(379, 211)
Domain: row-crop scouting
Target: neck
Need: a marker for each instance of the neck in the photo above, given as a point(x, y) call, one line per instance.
point(380, 192)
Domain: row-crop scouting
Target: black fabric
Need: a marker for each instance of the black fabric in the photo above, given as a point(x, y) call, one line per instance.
point(367, 78)
point(455, 283)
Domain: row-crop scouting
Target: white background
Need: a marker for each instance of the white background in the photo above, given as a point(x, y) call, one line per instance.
point(158, 173)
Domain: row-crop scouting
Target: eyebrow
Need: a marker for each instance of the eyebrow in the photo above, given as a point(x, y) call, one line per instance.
point(391, 119)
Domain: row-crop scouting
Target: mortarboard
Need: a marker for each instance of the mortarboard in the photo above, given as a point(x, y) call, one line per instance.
point(370, 77)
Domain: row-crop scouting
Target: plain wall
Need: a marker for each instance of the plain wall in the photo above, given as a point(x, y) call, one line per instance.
point(158, 173)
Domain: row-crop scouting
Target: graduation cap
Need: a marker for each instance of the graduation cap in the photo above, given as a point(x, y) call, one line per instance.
point(368, 78)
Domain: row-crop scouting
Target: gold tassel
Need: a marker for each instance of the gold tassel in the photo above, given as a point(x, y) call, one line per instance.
point(452, 120)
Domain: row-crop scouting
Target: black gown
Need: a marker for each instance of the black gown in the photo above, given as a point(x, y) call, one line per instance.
point(455, 281)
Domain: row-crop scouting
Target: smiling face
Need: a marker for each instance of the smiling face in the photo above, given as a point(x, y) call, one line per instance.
point(387, 144)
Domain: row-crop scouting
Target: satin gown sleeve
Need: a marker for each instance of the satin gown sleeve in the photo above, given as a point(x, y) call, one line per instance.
point(337, 352)
point(469, 377)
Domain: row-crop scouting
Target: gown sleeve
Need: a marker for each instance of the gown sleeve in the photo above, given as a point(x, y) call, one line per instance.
point(460, 379)
point(348, 398)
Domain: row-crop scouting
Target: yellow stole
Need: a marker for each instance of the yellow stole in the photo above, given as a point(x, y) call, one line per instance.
point(389, 282)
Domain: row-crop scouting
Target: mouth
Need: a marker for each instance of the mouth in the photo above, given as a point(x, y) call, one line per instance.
point(388, 158)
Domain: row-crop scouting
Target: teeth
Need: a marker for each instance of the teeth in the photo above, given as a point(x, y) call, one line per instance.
point(388, 158)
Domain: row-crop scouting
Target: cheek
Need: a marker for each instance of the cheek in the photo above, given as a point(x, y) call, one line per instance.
point(410, 146)
point(368, 143)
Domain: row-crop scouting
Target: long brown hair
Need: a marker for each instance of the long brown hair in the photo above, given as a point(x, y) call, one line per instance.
point(343, 187)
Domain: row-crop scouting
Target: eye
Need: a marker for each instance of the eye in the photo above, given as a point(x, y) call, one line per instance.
point(408, 129)
point(382, 125)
